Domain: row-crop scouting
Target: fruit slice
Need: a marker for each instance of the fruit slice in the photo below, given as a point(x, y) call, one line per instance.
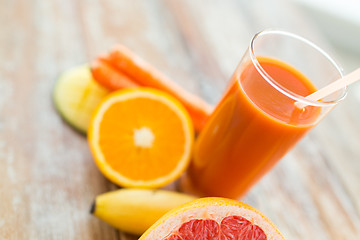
point(213, 218)
point(76, 95)
point(135, 210)
point(141, 137)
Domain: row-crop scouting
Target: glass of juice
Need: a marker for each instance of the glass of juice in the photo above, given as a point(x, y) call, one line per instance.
point(257, 122)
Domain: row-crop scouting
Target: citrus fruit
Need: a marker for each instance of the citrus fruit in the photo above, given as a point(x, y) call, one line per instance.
point(141, 137)
point(76, 95)
point(213, 218)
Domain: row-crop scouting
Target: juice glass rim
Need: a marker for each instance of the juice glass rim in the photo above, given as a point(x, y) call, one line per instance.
point(280, 88)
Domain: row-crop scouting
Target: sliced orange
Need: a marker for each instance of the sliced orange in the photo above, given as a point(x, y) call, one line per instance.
point(141, 137)
point(213, 218)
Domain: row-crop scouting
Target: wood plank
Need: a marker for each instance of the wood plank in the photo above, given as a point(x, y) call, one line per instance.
point(262, 195)
point(48, 178)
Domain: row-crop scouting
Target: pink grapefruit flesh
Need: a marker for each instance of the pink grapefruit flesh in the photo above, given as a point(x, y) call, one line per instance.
point(231, 227)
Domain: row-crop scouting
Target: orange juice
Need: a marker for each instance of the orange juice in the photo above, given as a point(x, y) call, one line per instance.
point(252, 127)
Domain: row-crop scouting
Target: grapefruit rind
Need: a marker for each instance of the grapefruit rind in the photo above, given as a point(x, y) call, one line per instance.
point(131, 93)
point(210, 208)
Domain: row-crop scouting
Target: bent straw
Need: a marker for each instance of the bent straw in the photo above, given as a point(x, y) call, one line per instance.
point(332, 87)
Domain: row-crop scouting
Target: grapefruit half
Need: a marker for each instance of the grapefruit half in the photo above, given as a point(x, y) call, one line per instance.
point(213, 218)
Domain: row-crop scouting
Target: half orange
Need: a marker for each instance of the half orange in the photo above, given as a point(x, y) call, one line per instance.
point(141, 137)
point(212, 219)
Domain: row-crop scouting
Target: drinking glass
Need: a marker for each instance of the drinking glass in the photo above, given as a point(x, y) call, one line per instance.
point(257, 122)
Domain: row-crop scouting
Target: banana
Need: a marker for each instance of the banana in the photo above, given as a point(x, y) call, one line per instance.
point(135, 210)
point(76, 94)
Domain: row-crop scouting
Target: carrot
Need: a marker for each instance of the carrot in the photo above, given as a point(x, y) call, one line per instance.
point(109, 77)
point(144, 74)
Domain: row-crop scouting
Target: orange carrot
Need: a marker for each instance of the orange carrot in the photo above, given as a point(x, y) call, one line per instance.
point(109, 77)
point(144, 74)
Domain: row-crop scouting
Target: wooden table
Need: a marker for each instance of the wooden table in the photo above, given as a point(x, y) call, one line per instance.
point(48, 178)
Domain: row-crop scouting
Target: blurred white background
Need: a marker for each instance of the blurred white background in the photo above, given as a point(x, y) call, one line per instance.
point(339, 21)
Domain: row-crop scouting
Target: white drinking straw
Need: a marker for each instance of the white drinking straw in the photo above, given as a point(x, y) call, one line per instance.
point(332, 87)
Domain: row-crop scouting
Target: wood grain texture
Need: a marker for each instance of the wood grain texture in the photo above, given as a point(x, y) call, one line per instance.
point(48, 178)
